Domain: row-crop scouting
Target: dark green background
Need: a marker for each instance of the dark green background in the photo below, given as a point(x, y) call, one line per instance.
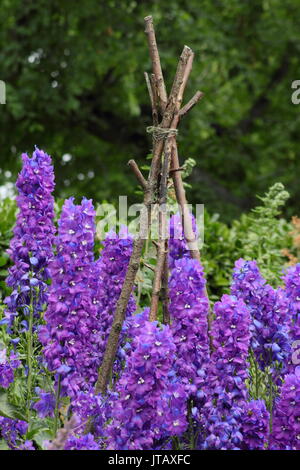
point(75, 85)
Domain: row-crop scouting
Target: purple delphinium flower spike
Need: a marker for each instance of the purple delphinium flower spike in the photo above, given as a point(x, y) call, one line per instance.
point(254, 425)
point(269, 311)
point(149, 406)
point(225, 383)
point(189, 311)
point(69, 339)
point(109, 273)
point(178, 248)
point(231, 340)
point(31, 246)
point(292, 290)
point(286, 421)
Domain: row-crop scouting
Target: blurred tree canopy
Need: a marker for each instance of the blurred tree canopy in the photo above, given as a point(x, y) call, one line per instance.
point(75, 87)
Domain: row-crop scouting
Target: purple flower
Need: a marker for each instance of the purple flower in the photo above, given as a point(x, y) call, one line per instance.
point(7, 366)
point(269, 311)
point(31, 246)
point(12, 431)
point(85, 442)
point(254, 425)
point(227, 371)
point(88, 405)
point(109, 274)
point(222, 429)
point(189, 310)
point(149, 406)
point(231, 339)
point(28, 445)
point(46, 404)
point(286, 421)
point(178, 248)
point(292, 290)
point(69, 336)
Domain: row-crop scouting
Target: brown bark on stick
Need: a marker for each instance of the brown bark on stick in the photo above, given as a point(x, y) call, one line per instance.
point(170, 117)
point(175, 99)
point(138, 174)
point(162, 232)
point(149, 198)
point(189, 234)
point(157, 71)
point(193, 101)
point(165, 229)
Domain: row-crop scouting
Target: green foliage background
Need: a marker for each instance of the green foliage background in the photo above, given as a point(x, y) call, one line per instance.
point(75, 85)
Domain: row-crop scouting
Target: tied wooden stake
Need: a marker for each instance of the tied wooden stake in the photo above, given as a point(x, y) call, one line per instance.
point(166, 114)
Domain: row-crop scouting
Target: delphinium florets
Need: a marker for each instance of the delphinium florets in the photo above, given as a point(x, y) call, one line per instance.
point(7, 368)
point(231, 339)
point(225, 383)
point(84, 442)
point(254, 425)
point(148, 408)
point(69, 339)
point(178, 248)
point(269, 312)
point(189, 322)
point(286, 421)
point(89, 406)
point(292, 289)
point(13, 431)
point(46, 404)
point(31, 246)
point(109, 273)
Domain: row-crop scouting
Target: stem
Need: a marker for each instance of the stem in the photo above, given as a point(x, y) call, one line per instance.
point(165, 287)
point(29, 356)
point(175, 443)
point(271, 401)
point(191, 426)
point(56, 413)
point(256, 380)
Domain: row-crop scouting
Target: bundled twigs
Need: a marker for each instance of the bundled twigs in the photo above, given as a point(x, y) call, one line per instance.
point(164, 143)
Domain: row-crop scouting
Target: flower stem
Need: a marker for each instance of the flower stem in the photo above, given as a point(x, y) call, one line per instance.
point(271, 401)
point(256, 381)
point(29, 357)
point(56, 412)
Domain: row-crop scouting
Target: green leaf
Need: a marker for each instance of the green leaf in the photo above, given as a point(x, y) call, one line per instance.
point(8, 410)
point(3, 445)
point(42, 436)
point(3, 260)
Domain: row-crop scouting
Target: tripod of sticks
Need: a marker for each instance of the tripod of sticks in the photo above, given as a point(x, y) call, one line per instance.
point(166, 114)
